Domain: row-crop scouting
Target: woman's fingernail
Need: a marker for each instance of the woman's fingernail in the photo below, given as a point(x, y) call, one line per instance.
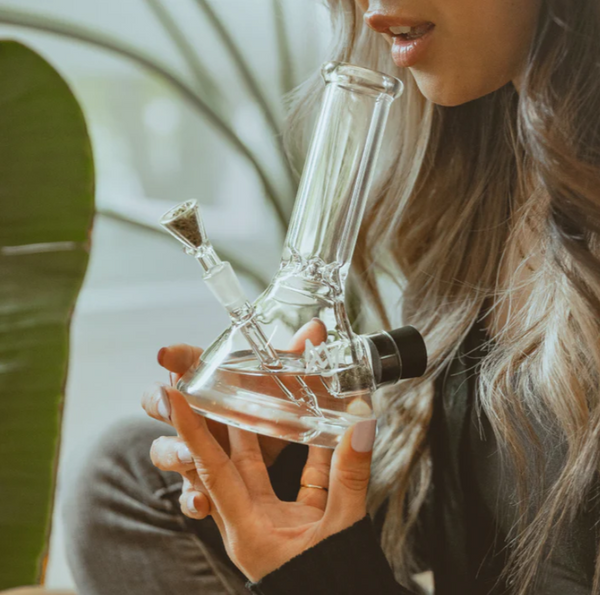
point(363, 435)
point(161, 355)
point(164, 405)
point(183, 453)
point(190, 503)
point(171, 379)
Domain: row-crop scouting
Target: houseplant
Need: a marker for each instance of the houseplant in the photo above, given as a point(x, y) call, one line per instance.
point(46, 214)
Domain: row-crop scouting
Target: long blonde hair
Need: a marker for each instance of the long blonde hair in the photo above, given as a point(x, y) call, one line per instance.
point(459, 190)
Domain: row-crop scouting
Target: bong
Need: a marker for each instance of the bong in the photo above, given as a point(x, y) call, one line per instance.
point(249, 377)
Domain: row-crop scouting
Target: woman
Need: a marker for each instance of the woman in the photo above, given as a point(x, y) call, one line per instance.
point(485, 470)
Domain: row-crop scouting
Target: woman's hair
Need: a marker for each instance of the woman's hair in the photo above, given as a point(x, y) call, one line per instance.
point(461, 190)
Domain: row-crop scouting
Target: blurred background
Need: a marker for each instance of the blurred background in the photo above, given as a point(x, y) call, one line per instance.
point(153, 149)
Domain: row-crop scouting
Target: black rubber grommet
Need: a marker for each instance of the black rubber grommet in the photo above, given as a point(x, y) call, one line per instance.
point(387, 365)
point(397, 355)
point(412, 349)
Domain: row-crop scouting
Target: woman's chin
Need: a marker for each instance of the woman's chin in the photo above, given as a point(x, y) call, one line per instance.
point(453, 92)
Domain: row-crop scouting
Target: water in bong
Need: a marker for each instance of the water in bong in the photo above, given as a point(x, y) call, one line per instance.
point(269, 401)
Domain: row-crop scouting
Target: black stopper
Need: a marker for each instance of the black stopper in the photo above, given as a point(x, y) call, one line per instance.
point(397, 355)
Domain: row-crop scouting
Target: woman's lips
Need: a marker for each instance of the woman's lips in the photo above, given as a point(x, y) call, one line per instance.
point(407, 52)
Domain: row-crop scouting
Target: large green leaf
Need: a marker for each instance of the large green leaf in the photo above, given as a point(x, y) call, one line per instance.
point(46, 213)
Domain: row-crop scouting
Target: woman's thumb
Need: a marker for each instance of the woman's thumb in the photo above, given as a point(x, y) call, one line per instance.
point(350, 473)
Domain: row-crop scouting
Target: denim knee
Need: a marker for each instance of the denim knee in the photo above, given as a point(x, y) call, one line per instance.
point(116, 479)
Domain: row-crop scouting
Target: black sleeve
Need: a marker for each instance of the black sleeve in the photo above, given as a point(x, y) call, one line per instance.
point(350, 562)
point(571, 564)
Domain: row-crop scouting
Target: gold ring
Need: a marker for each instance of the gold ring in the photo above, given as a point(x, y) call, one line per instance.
point(310, 485)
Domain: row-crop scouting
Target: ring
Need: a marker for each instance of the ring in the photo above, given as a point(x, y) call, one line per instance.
point(310, 485)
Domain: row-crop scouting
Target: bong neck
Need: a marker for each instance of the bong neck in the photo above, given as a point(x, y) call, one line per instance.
point(335, 182)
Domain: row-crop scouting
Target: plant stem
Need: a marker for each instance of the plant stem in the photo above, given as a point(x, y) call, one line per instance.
point(285, 58)
point(205, 81)
point(71, 31)
point(250, 80)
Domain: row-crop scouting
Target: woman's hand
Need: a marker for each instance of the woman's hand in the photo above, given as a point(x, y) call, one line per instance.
point(225, 475)
point(259, 531)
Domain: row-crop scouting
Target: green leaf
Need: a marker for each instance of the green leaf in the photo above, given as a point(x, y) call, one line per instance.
point(46, 213)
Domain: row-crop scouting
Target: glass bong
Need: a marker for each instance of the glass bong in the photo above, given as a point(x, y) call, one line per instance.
point(248, 377)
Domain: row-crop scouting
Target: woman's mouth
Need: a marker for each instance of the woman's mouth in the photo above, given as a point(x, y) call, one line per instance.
point(410, 43)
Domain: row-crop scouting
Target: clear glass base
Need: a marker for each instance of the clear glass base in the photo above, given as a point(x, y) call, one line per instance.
point(277, 403)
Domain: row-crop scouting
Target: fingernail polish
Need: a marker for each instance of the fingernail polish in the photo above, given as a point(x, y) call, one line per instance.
point(160, 355)
point(190, 503)
point(363, 435)
point(183, 454)
point(164, 405)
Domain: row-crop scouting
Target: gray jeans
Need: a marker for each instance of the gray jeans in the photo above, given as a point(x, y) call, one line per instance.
point(126, 533)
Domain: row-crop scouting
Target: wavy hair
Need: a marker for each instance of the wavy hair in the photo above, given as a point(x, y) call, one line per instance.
point(521, 174)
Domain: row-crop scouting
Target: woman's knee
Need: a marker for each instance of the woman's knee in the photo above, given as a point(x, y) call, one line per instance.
point(116, 469)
